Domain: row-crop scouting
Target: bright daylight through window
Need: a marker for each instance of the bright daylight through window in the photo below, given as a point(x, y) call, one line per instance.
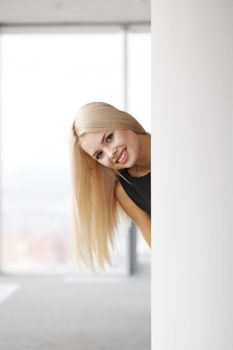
point(53, 75)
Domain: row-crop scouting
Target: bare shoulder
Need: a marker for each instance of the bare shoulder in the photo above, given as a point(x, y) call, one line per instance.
point(124, 200)
point(139, 216)
point(121, 195)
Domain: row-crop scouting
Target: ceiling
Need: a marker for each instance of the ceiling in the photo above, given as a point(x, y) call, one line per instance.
point(39, 12)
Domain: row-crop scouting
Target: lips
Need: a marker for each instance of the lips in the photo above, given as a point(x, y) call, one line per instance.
point(123, 156)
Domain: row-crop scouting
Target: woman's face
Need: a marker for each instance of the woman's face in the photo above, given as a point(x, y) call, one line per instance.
point(116, 149)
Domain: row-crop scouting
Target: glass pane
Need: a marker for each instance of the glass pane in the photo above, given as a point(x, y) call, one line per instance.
point(45, 79)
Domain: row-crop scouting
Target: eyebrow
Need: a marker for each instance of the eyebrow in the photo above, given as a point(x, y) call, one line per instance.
point(102, 141)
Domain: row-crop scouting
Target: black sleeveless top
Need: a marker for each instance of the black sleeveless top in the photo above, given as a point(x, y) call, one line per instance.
point(139, 189)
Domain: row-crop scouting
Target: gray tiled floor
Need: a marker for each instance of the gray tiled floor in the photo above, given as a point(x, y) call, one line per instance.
point(67, 312)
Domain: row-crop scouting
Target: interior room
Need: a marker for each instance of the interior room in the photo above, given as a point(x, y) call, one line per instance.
point(56, 56)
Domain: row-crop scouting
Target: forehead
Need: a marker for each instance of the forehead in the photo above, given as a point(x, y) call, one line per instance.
point(90, 142)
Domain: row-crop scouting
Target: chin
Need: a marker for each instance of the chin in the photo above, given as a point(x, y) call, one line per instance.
point(130, 164)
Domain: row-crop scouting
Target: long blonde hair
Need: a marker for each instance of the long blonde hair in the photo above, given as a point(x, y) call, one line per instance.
point(95, 210)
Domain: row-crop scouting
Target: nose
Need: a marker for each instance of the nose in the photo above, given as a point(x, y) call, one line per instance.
point(111, 153)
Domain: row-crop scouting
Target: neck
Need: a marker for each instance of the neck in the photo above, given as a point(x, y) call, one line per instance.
point(143, 163)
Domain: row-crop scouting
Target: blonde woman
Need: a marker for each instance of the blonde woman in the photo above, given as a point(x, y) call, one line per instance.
point(110, 173)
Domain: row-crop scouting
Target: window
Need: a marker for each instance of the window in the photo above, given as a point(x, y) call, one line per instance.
point(46, 77)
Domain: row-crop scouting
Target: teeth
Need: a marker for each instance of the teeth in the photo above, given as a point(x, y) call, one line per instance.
point(122, 156)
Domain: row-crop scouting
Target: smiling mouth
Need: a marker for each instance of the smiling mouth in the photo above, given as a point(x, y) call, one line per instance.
point(122, 157)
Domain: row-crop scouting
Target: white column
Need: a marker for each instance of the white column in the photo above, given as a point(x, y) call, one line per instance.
point(192, 175)
point(0, 153)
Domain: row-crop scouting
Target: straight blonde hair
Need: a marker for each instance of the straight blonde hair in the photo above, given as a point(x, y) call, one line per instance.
point(95, 209)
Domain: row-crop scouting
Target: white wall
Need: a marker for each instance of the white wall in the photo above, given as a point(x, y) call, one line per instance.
point(192, 124)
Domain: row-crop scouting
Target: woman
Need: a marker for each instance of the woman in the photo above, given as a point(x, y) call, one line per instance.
point(110, 173)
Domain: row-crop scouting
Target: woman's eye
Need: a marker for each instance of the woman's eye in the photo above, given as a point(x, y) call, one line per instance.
point(99, 155)
point(109, 137)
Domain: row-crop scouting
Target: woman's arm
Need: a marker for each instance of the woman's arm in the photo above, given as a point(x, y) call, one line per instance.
point(139, 216)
